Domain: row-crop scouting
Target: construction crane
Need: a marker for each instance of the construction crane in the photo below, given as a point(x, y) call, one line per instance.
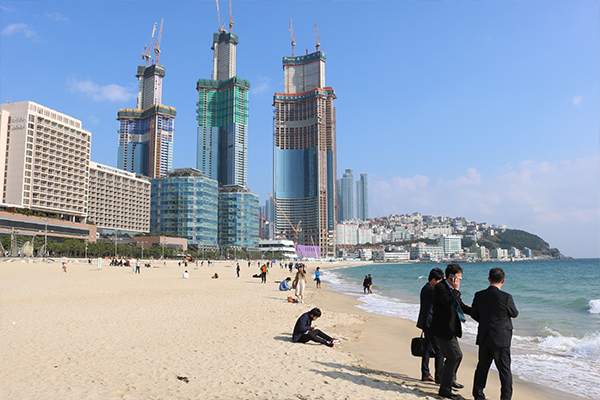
point(146, 54)
point(293, 37)
point(317, 36)
point(296, 229)
point(219, 17)
point(157, 46)
point(230, 18)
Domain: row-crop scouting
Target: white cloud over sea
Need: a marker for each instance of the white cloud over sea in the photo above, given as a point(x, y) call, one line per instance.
point(111, 92)
point(559, 201)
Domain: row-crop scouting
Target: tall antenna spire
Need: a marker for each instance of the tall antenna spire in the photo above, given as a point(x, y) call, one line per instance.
point(230, 18)
point(317, 36)
point(293, 37)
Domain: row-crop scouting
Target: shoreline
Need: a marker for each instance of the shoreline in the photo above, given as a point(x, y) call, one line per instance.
point(113, 334)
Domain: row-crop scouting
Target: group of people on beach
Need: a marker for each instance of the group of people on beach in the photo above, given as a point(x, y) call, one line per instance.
point(441, 315)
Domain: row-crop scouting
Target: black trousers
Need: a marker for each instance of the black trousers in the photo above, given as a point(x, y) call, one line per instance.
point(453, 356)
point(428, 344)
point(316, 335)
point(501, 357)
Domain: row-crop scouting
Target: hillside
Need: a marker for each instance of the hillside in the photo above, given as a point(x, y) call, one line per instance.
point(520, 239)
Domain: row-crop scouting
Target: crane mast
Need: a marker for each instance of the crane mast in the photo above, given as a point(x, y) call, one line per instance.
point(146, 54)
point(157, 46)
point(317, 36)
point(293, 37)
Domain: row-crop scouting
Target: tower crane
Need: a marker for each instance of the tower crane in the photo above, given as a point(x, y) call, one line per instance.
point(296, 229)
point(293, 37)
point(148, 47)
point(317, 36)
point(157, 46)
point(219, 17)
point(230, 18)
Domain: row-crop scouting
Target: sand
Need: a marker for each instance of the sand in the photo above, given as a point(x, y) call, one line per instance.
point(113, 334)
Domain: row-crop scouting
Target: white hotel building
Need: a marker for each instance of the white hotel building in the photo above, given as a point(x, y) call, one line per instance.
point(44, 160)
point(119, 200)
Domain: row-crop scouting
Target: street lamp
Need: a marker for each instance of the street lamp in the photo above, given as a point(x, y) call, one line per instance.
point(46, 238)
point(115, 245)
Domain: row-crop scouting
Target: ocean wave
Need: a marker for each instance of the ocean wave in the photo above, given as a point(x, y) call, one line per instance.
point(594, 306)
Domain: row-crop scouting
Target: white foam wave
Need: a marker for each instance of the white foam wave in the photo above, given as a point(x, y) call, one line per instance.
point(594, 306)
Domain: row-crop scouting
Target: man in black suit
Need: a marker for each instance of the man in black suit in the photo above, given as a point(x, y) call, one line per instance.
point(424, 323)
point(493, 309)
point(448, 315)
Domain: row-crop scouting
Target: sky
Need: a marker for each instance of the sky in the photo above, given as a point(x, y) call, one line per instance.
point(487, 110)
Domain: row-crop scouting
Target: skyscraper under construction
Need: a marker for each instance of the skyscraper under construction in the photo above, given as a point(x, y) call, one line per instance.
point(305, 153)
point(146, 132)
point(223, 116)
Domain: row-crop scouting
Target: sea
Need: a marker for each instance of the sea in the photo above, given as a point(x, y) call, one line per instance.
point(556, 337)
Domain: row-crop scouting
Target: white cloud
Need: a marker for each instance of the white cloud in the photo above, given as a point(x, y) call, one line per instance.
point(7, 9)
point(577, 100)
point(264, 85)
point(19, 28)
point(97, 92)
point(558, 201)
point(56, 16)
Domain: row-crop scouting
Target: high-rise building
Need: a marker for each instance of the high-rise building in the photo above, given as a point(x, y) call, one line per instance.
point(347, 196)
point(146, 132)
point(238, 217)
point(362, 198)
point(118, 200)
point(305, 154)
point(222, 152)
point(185, 203)
point(44, 161)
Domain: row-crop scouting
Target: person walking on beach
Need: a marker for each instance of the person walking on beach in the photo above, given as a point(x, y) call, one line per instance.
point(237, 270)
point(446, 325)
point(318, 277)
point(366, 284)
point(300, 283)
point(304, 330)
point(424, 323)
point(493, 309)
point(369, 284)
point(137, 266)
point(64, 264)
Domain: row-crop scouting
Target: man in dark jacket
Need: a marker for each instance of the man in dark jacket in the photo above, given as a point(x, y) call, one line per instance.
point(493, 309)
point(424, 323)
point(446, 325)
point(305, 331)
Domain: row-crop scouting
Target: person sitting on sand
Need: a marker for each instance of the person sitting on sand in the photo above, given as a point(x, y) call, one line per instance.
point(215, 276)
point(304, 330)
point(285, 285)
point(186, 275)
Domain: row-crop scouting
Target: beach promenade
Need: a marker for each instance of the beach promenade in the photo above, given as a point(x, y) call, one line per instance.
point(113, 334)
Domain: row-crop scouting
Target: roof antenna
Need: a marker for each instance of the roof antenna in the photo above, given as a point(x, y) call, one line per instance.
point(293, 37)
point(317, 36)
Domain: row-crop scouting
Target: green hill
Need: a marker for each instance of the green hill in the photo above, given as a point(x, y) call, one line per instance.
point(520, 239)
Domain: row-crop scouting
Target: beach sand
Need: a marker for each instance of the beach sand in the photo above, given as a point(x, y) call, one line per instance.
point(111, 334)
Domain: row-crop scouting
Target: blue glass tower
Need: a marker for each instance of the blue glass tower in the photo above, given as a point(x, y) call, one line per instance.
point(185, 203)
point(238, 217)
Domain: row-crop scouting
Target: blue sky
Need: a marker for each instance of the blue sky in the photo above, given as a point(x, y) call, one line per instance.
point(482, 109)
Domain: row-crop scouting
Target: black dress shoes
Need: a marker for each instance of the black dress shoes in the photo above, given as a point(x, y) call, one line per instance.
point(457, 385)
point(448, 395)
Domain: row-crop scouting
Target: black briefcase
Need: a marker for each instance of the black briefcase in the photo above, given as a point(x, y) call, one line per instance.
point(416, 346)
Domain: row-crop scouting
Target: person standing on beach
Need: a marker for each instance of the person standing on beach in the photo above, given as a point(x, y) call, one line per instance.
point(137, 266)
point(263, 273)
point(369, 284)
point(318, 278)
point(493, 309)
point(300, 283)
point(64, 264)
point(446, 325)
point(237, 270)
point(304, 330)
point(366, 284)
point(424, 323)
